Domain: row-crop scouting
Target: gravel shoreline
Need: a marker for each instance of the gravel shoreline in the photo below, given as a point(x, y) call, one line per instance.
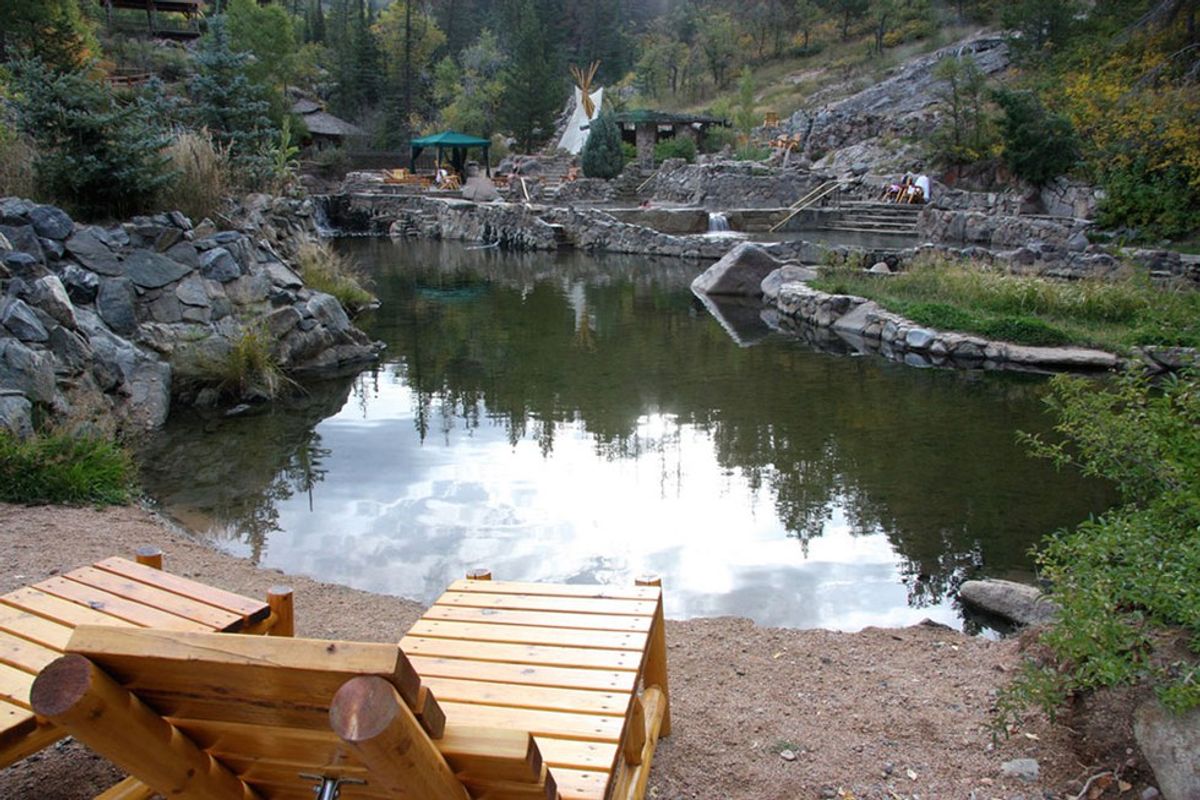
point(759, 713)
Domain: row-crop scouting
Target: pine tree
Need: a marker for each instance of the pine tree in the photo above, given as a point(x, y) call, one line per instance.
point(602, 156)
point(532, 84)
point(227, 102)
point(54, 31)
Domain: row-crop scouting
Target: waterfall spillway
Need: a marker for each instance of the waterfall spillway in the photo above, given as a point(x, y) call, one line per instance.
point(717, 222)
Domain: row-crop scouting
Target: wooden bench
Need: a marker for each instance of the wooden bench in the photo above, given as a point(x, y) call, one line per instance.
point(37, 621)
point(505, 691)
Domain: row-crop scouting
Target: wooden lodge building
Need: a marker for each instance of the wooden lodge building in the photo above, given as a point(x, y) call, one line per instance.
point(165, 19)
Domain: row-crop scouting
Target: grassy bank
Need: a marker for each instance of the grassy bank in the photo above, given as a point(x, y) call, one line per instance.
point(59, 468)
point(1113, 315)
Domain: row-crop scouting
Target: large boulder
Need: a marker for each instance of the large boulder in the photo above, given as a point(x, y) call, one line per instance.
point(49, 294)
point(22, 322)
point(1022, 604)
point(788, 273)
point(89, 246)
point(150, 270)
point(740, 272)
point(1171, 744)
point(115, 303)
point(16, 413)
point(26, 371)
point(51, 223)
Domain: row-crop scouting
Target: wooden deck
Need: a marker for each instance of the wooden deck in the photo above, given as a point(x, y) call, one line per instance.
point(561, 661)
point(37, 621)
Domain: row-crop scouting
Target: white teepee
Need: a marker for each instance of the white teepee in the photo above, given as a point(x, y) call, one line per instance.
point(587, 106)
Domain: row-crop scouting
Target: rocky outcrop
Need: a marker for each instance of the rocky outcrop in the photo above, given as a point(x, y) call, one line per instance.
point(96, 321)
point(1171, 745)
point(741, 272)
point(731, 184)
point(1018, 603)
point(1001, 231)
point(871, 329)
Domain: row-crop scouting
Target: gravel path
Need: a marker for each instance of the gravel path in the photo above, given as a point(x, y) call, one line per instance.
point(758, 713)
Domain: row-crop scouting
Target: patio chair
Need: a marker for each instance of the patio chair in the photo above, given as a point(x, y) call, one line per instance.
point(501, 690)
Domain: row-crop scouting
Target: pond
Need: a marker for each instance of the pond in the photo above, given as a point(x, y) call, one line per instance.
point(571, 418)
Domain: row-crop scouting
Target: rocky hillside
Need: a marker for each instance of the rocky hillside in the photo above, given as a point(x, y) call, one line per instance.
point(95, 321)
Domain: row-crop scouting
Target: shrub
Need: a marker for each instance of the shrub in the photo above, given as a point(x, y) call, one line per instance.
point(1157, 202)
point(332, 162)
point(1130, 575)
point(202, 180)
point(602, 154)
point(717, 138)
point(628, 151)
point(248, 369)
point(675, 147)
point(327, 271)
point(1039, 145)
point(99, 155)
point(63, 468)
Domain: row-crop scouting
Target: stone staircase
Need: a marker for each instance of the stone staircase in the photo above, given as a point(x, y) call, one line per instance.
point(871, 217)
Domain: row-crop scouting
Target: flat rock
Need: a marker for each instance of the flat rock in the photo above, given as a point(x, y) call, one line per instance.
point(24, 238)
point(218, 264)
point(114, 302)
point(49, 294)
point(16, 414)
point(1171, 744)
point(192, 292)
point(740, 272)
point(89, 248)
point(152, 270)
point(1025, 769)
point(788, 273)
point(1060, 357)
point(1018, 602)
point(51, 222)
point(280, 275)
point(27, 371)
point(22, 323)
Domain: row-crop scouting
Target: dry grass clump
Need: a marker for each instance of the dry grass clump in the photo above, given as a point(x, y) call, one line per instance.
point(202, 181)
point(325, 270)
point(16, 166)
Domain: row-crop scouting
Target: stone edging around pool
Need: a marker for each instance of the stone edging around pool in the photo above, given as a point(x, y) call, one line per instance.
point(872, 328)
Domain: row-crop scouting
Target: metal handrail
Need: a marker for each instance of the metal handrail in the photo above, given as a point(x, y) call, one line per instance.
point(816, 195)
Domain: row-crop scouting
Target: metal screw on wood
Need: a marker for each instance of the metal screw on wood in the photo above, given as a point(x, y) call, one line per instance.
point(328, 788)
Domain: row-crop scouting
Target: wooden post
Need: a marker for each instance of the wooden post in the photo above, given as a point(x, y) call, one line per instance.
point(76, 695)
point(635, 732)
point(479, 574)
point(369, 715)
point(149, 557)
point(280, 599)
point(655, 673)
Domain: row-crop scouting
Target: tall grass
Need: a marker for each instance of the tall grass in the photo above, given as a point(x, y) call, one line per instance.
point(249, 369)
point(17, 177)
point(202, 180)
point(63, 468)
point(1115, 314)
point(326, 270)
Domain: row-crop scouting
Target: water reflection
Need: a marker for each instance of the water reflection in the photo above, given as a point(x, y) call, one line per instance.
point(578, 419)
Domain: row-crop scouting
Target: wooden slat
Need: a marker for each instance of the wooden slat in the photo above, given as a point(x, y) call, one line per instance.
point(116, 606)
point(558, 589)
point(299, 675)
point(541, 619)
point(525, 675)
point(580, 785)
point(25, 736)
point(297, 788)
point(211, 617)
point(24, 655)
point(14, 721)
point(535, 602)
point(319, 748)
point(55, 608)
point(492, 753)
point(249, 609)
point(522, 654)
point(507, 694)
point(575, 754)
point(587, 727)
point(14, 686)
point(521, 634)
point(34, 628)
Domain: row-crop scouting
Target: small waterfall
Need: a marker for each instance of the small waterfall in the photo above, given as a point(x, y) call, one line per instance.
point(717, 222)
point(321, 218)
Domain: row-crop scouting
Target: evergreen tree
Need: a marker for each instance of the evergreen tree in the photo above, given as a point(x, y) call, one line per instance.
point(98, 154)
point(602, 156)
point(532, 83)
point(1039, 24)
point(226, 102)
point(54, 31)
point(1039, 145)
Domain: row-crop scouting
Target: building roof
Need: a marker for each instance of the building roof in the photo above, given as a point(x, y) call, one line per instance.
point(305, 106)
point(648, 116)
point(321, 123)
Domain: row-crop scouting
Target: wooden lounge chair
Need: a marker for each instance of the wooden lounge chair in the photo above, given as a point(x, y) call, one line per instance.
point(503, 691)
point(37, 621)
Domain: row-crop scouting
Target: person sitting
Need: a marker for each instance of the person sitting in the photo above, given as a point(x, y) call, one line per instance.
point(923, 186)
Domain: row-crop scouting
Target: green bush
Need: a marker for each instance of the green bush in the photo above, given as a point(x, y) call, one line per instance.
point(717, 138)
point(63, 468)
point(602, 154)
point(1129, 576)
point(1039, 145)
point(675, 147)
point(1158, 203)
point(628, 151)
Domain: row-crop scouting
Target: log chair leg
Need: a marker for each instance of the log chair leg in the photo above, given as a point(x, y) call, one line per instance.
point(149, 557)
point(79, 697)
point(655, 673)
point(282, 604)
point(369, 715)
point(128, 789)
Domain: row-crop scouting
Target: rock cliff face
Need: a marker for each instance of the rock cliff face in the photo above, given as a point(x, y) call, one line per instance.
point(95, 320)
point(732, 184)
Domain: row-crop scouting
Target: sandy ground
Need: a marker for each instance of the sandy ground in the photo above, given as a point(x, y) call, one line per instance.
point(758, 713)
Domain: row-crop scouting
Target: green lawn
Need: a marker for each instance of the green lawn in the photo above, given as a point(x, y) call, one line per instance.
point(1113, 315)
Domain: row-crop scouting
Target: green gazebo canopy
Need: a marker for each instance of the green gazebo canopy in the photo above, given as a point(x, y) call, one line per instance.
point(457, 143)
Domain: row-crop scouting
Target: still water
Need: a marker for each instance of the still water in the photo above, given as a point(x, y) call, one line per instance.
point(578, 419)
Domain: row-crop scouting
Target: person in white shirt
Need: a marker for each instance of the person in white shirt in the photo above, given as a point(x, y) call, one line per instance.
point(923, 184)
